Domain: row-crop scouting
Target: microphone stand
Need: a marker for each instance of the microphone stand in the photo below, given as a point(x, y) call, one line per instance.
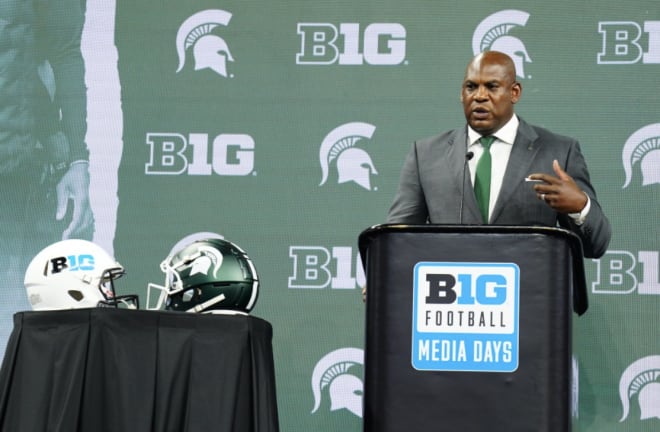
point(468, 157)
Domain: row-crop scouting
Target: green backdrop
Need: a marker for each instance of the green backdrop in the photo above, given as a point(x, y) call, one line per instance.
point(282, 125)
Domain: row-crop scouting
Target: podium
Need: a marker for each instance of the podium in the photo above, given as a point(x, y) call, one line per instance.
point(469, 327)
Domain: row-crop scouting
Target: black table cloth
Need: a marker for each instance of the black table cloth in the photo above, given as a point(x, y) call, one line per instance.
point(105, 369)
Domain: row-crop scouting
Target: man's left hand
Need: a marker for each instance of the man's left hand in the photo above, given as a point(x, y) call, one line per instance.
point(560, 192)
point(74, 186)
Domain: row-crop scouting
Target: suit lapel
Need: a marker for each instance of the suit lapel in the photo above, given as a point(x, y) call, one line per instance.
point(522, 154)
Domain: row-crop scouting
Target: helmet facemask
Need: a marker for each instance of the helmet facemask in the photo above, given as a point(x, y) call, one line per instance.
point(107, 288)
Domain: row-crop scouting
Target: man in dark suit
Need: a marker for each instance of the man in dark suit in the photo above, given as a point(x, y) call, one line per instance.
point(438, 173)
point(44, 178)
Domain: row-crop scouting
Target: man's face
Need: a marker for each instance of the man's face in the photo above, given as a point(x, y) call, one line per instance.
point(488, 94)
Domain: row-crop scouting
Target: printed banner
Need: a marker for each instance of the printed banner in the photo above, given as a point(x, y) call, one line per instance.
point(283, 126)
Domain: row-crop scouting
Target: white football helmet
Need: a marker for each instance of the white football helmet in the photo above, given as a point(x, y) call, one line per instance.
point(75, 274)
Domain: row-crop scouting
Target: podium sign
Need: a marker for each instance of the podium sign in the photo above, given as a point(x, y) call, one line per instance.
point(469, 327)
point(465, 316)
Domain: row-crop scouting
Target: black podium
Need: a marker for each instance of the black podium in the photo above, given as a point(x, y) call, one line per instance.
point(116, 370)
point(469, 327)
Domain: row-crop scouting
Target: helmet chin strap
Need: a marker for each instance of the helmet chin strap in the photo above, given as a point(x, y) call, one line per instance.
point(224, 312)
point(200, 307)
point(127, 301)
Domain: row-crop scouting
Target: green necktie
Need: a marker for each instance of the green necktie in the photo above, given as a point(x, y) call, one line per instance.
point(482, 177)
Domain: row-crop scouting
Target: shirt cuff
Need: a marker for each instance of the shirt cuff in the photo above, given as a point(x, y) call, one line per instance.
point(579, 217)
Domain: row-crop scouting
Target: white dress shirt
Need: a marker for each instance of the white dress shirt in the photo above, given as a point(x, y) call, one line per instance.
point(500, 150)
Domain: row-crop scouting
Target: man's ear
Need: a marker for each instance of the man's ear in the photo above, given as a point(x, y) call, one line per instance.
point(516, 92)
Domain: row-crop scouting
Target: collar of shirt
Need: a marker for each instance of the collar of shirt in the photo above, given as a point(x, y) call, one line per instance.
point(506, 134)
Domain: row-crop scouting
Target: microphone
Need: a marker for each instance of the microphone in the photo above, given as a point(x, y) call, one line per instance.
point(468, 157)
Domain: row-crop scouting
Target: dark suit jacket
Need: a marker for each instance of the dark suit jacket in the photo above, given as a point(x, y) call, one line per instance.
point(433, 181)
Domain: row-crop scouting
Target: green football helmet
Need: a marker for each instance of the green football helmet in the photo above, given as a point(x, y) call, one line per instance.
point(210, 275)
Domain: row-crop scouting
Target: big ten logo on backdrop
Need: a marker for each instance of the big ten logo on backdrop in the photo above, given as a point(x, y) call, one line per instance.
point(318, 267)
point(629, 42)
point(201, 34)
point(499, 32)
point(643, 147)
point(337, 375)
point(640, 382)
point(351, 44)
point(465, 316)
point(195, 154)
point(624, 272)
point(341, 148)
point(634, 272)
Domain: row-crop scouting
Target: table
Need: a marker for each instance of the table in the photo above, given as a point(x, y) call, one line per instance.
point(107, 369)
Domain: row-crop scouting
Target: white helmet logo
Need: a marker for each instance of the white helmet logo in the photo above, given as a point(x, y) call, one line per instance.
point(209, 51)
point(210, 257)
point(353, 163)
point(492, 34)
point(643, 146)
point(345, 389)
point(641, 379)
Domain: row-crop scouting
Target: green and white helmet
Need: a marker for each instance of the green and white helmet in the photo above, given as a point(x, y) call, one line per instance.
point(210, 275)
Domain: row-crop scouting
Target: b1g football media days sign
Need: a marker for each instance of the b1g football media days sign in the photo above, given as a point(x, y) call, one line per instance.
point(465, 316)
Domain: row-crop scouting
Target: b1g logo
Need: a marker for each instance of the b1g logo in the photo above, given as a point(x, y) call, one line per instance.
point(465, 316)
point(622, 272)
point(173, 154)
point(325, 44)
point(622, 42)
point(71, 263)
point(318, 267)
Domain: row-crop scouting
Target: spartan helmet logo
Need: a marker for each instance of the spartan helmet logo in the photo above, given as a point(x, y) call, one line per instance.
point(209, 257)
point(344, 388)
point(641, 379)
point(492, 34)
point(209, 51)
point(353, 163)
point(644, 147)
